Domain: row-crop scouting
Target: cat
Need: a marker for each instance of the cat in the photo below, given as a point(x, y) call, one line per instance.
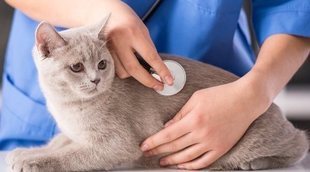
point(104, 119)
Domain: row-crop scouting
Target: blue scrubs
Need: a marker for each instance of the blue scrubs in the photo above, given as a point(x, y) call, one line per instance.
point(213, 31)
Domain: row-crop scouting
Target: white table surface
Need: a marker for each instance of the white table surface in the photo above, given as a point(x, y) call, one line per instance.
point(301, 167)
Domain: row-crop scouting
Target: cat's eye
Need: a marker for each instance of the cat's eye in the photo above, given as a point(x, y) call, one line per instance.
point(79, 67)
point(102, 64)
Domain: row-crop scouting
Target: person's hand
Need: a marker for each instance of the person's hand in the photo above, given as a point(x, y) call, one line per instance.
point(126, 35)
point(125, 32)
point(208, 126)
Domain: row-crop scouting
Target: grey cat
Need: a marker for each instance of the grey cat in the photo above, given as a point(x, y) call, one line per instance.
point(104, 119)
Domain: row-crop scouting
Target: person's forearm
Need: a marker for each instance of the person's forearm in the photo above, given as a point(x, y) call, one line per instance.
point(278, 60)
point(68, 13)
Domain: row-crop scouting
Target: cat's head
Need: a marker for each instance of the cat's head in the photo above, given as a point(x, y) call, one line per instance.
point(76, 61)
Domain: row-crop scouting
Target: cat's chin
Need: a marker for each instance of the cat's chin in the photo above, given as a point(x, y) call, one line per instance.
point(91, 93)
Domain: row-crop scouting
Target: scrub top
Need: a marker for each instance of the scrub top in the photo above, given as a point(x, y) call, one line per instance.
point(213, 31)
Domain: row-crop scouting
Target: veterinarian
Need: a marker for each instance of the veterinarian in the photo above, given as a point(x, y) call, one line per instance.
point(215, 32)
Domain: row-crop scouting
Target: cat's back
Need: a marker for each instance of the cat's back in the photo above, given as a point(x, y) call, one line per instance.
point(198, 76)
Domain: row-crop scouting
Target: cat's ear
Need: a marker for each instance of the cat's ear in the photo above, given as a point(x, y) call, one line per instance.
point(101, 27)
point(47, 39)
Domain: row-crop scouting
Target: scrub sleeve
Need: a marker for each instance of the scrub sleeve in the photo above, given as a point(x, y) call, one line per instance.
point(281, 17)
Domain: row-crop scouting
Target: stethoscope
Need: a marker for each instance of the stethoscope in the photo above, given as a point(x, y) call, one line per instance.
point(175, 68)
point(177, 71)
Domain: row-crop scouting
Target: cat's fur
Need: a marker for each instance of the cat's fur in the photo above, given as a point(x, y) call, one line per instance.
point(102, 127)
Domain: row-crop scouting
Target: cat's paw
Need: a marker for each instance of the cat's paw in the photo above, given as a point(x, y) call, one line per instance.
point(257, 164)
point(245, 166)
point(14, 155)
point(45, 164)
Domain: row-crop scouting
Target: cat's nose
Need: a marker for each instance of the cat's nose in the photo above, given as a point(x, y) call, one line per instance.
point(95, 81)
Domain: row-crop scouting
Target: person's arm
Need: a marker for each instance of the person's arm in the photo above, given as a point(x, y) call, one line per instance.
point(280, 57)
point(68, 13)
point(125, 31)
point(202, 131)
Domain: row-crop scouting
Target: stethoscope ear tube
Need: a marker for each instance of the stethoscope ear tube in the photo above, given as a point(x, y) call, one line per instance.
point(144, 64)
point(156, 3)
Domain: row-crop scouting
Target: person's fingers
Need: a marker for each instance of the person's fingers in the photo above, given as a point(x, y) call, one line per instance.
point(174, 146)
point(183, 156)
point(201, 162)
point(165, 135)
point(119, 68)
point(134, 68)
point(182, 113)
point(147, 50)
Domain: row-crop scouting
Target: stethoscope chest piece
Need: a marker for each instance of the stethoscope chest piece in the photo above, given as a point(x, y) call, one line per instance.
point(179, 76)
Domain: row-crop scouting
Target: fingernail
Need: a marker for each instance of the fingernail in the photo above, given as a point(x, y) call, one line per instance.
point(180, 166)
point(157, 87)
point(168, 123)
point(163, 162)
point(169, 80)
point(144, 147)
point(149, 153)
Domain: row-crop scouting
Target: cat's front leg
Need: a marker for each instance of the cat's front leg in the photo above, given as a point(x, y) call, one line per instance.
point(79, 157)
point(17, 156)
point(73, 157)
